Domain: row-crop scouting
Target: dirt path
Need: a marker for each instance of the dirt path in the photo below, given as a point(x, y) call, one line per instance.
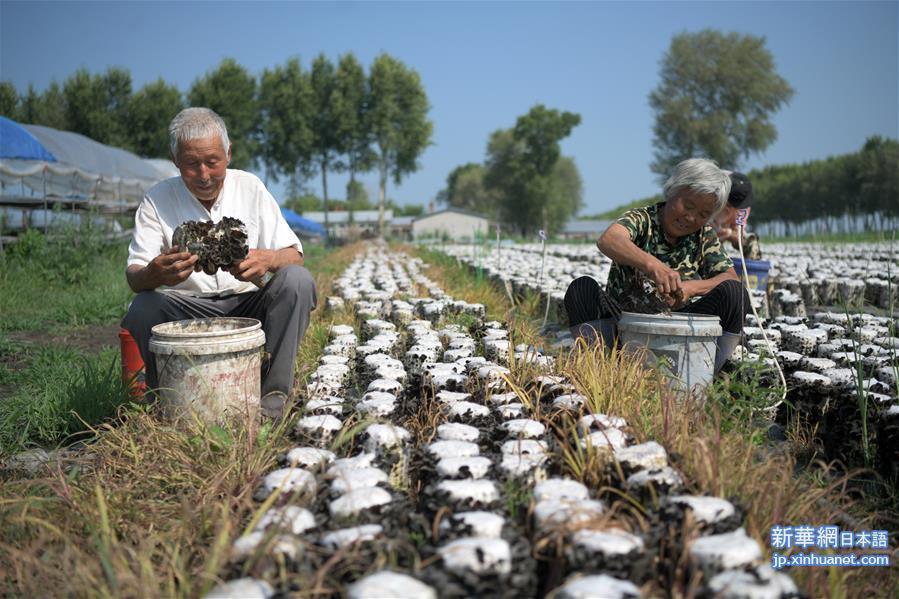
point(88, 339)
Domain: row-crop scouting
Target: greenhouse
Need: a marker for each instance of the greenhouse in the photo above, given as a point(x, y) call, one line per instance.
point(41, 167)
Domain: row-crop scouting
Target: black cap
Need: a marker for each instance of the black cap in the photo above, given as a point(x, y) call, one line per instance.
point(740, 191)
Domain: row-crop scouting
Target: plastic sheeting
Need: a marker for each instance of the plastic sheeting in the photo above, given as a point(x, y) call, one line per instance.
point(165, 167)
point(67, 181)
point(84, 168)
point(17, 143)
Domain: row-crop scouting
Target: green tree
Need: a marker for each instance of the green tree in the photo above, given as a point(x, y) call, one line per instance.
point(465, 189)
point(400, 126)
point(715, 99)
point(30, 106)
point(287, 105)
point(306, 202)
point(230, 90)
point(406, 210)
point(9, 100)
point(353, 127)
point(566, 193)
point(327, 106)
point(523, 172)
point(97, 105)
point(149, 114)
point(357, 196)
point(48, 108)
point(878, 176)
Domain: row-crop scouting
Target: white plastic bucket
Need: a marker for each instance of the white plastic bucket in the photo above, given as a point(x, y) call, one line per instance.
point(684, 345)
point(210, 366)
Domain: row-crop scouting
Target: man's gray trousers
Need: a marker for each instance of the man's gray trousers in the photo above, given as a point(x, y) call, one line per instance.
point(282, 306)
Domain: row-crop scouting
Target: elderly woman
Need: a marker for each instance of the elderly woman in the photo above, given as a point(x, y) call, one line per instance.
point(672, 245)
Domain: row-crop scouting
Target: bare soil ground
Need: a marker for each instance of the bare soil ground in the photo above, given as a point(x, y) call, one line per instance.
point(88, 339)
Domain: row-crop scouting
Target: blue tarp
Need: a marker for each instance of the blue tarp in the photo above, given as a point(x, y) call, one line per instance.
point(302, 225)
point(17, 143)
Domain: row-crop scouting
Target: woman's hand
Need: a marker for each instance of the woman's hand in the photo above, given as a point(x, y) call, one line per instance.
point(681, 297)
point(690, 288)
point(667, 279)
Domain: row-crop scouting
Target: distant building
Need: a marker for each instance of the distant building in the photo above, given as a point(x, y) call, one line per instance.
point(451, 223)
point(588, 230)
point(401, 227)
point(352, 224)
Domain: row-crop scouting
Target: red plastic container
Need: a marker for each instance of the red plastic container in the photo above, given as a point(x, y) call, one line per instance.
point(132, 365)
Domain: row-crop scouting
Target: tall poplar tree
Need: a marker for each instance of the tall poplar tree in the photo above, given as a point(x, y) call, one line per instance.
point(351, 116)
point(399, 120)
point(230, 90)
point(149, 113)
point(287, 104)
point(326, 144)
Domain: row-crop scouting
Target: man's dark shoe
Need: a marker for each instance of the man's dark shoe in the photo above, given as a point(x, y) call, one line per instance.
point(274, 404)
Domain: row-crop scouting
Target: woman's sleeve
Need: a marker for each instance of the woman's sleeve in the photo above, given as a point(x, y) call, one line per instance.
point(636, 222)
point(714, 259)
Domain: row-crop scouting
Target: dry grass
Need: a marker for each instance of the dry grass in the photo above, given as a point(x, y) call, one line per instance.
point(726, 464)
point(150, 508)
point(717, 454)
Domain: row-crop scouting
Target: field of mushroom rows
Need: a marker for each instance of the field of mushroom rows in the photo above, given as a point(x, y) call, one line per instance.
point(828, 318)
point(430, 455)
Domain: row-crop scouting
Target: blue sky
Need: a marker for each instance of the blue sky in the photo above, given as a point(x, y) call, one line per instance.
point(484, 64)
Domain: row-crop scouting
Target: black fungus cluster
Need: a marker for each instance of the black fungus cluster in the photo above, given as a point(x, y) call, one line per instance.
point(217, 245)
point(640, 295)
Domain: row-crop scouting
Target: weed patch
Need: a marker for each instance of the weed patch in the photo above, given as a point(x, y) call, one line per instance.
point(75, 279)
point(59, 396)
point(151, 507)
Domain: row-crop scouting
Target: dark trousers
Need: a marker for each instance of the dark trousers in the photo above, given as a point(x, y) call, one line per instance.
point(282, 307)
point(729, 301)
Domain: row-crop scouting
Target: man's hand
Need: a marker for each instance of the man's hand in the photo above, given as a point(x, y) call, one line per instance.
point(728, 234)
point(168, 268)
point(667, 279)
point(255, 265)
point(171, 267)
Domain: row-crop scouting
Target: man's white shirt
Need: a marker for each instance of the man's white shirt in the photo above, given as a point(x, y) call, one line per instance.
point(169, 203)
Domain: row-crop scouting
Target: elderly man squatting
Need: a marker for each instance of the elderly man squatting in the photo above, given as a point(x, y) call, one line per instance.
point(672, 244)
point(163, 276)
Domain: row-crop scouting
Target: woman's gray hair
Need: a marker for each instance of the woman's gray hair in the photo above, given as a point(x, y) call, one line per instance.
point(699, 175)
point(196, 123)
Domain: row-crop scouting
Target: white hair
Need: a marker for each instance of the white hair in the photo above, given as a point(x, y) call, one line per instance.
point(699, 175)
point(196, 123)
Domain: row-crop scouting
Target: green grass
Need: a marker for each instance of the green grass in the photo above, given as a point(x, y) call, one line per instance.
point(153, 506)
point(52, 393)
point(720, 446)
point(70, 281)
point(58, 396)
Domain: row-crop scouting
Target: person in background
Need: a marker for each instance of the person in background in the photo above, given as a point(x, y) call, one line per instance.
point(163, 277)
point(672, 245)
point(740, 199)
